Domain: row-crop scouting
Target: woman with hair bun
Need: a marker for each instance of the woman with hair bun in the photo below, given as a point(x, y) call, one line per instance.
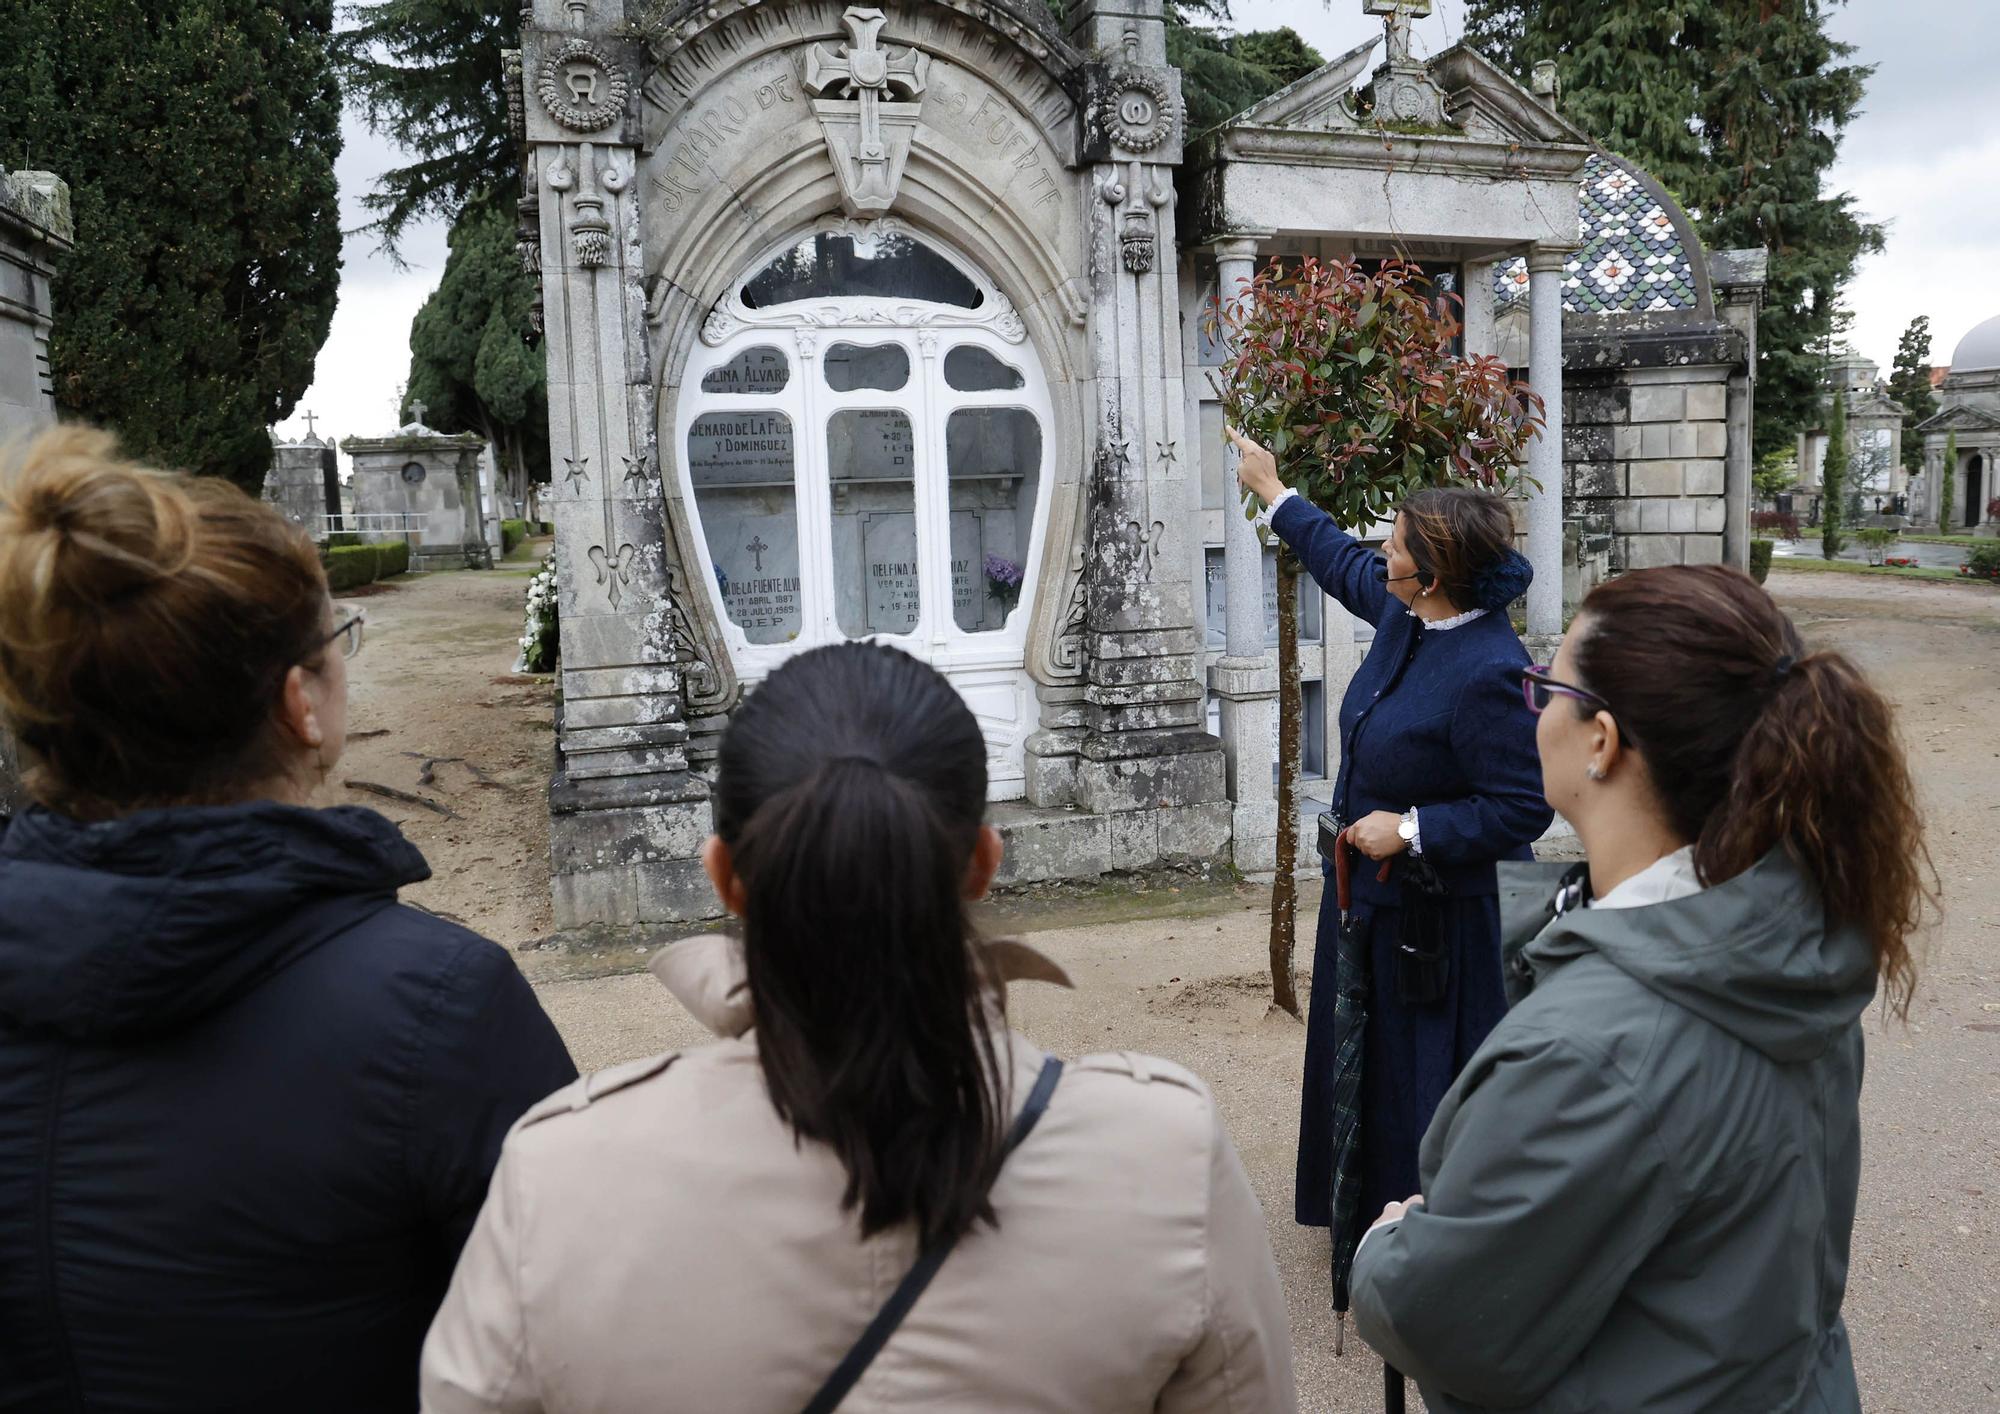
point(248, 1102)
point(1640, 1192)
point(1438, 782)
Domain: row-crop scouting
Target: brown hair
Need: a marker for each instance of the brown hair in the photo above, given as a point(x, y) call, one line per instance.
point(1456, 534)
point(146, 625)
point(1752, 742)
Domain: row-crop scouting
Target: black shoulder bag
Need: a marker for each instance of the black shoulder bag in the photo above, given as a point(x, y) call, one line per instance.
point(851, 1369)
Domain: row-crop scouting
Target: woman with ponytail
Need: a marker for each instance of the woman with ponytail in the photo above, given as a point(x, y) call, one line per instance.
point(870, 1194)
point(1639, 1194)
point(248, 1101)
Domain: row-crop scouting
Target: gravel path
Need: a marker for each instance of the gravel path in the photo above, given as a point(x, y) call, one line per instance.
point(1181, 974)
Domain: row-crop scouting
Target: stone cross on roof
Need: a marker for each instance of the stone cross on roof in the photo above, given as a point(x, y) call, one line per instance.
point(1396, 17)
point(417, 411)
point(309, 425)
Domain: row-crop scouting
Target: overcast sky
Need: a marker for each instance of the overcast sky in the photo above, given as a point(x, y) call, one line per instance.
point(1922, 158)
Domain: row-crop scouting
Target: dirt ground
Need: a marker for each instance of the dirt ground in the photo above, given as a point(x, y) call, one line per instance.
point(1177, 970)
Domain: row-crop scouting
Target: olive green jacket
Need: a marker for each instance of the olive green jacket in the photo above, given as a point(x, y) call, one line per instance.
point(1639, 1192)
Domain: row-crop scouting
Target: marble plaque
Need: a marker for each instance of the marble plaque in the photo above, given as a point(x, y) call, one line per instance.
point(889, 558)
point(971, 609)
point(740, 449)
point(757, 573)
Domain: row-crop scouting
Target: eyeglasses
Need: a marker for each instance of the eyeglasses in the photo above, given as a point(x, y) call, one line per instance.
point(1539, 688)
point(348, 635)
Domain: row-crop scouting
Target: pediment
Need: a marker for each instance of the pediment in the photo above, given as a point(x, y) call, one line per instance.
point(1486, 101)
point(1480, 98)
point(1961, 419)
point(1319, 100)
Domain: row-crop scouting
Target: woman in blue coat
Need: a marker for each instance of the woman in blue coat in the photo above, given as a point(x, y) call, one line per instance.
point(1437, 761)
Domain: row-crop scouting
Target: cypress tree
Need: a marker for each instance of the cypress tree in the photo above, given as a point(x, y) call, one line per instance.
point(1833, 480)
point(1910, 385)
point(1948, 483)
point(471, 363)
point(198, 139)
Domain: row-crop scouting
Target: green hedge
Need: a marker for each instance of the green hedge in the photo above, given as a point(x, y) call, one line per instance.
point(1984, 562)
point(512, 533)
point(351, 566)
point(1760, 559)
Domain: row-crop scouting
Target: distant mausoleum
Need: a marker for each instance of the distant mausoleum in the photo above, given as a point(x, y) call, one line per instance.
point(1969, 409)
point(429, 489)
point(1875, 472)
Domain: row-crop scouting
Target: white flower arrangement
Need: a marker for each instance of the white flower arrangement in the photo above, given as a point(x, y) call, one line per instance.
point(541, 647)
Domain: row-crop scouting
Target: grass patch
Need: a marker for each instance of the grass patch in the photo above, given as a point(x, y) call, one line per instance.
point(1801, 565)
point(1968, 542)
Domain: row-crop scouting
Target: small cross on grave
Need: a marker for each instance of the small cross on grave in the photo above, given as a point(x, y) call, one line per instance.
point(417, 411)
point(1396, 17)
point(309, 424)
point(757, 547)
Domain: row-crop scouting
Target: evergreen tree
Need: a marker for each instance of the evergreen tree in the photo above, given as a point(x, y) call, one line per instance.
point(1281, 53)
point(428, 74)
point(1948, 483)
point(198, 139)
point(1833, 480)
point(471, 364)
point(1910, 385)
point(1737, 106)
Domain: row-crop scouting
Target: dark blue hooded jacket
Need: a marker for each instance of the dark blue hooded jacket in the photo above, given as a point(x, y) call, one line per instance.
point(248, 1108)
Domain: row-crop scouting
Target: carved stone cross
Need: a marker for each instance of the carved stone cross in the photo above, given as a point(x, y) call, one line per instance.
point(1396, 17)
point(417, 411)
point(309, 424)
point(869, 77)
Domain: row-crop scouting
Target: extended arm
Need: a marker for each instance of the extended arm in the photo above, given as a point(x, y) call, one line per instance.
point(1338, 563)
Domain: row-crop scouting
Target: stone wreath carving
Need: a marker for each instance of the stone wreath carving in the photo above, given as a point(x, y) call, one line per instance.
point(582, 99)
point(1138, 110)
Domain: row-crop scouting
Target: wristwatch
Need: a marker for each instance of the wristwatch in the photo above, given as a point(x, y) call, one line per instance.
point(1406, 828)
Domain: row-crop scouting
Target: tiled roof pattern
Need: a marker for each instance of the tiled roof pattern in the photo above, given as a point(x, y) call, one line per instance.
point(1631, 260)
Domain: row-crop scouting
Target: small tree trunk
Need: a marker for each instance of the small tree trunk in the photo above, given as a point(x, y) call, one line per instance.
point(1285, 887)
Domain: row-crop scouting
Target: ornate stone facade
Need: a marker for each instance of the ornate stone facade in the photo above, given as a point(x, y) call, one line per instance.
point(1968, 416)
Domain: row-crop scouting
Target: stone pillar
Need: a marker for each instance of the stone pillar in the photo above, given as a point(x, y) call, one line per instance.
point(627, 817)
point(1246, 677)
point(1479, 336)
point(1738, 278)
point(1545, 464)
point(1144, 744)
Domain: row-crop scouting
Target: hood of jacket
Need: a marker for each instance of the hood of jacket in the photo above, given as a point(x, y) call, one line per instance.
point(1752, 955)
point(115, 929)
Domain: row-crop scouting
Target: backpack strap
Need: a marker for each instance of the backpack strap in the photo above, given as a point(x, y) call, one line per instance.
point(857, 1361)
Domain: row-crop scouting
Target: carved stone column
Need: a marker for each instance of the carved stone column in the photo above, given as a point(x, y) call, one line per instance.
point(1738, 278)
point(1144, 745)
point(627, 817)
point(1545, 463)
point(1478, 295)
point(1246, 677)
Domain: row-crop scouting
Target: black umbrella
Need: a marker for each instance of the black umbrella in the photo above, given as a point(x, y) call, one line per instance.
point(1352, 969)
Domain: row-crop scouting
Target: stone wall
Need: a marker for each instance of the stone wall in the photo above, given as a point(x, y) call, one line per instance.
point(1646, 449)
point(35, 231)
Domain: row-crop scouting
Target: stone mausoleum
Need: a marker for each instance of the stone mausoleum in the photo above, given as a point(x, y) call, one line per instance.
point(432, 490)
point(887, 322)
point(1968, 411)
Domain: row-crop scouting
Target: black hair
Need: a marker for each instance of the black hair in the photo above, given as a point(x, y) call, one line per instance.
point(850, 789)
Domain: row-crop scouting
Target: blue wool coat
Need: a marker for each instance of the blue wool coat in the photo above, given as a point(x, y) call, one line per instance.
point(1433, 720)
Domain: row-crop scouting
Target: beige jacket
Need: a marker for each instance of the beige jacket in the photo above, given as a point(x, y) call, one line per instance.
point(656, 1242)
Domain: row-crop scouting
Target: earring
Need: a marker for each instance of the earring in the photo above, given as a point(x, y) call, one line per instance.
point(1592, 772)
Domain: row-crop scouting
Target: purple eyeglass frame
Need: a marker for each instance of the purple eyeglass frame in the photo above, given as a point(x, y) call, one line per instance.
point(1536, 679)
